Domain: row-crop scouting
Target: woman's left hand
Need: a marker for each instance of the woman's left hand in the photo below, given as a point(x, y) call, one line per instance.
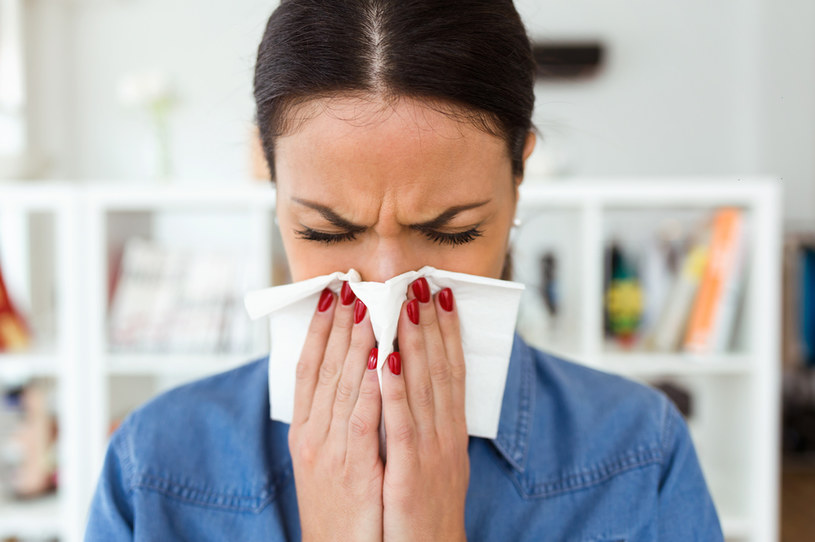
point(427, 469)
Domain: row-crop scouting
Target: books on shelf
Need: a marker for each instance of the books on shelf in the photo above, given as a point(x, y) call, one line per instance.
point(699, 310)
point(14, 332)
point(667, 332)
point(174, 301)
point(798, 344)
point(714, 308)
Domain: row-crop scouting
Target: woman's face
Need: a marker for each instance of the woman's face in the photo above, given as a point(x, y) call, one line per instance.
point(389, 189)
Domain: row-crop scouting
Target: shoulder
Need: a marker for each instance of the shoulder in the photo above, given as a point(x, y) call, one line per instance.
point(209, 441)
point(589, 425)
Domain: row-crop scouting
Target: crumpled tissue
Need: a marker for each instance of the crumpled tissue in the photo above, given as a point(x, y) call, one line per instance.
point(487, 309)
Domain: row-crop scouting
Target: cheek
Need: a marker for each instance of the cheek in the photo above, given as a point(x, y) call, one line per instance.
point(483, 259)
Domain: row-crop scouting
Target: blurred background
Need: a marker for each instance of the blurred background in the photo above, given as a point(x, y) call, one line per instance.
point(668, 227)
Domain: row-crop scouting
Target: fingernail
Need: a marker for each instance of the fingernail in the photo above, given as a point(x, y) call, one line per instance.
point(359, 311)
point(372, 359)
point(395, 363)
point(347, 294)
point(446, 299)
point(325, 300)
point(421, 290)
point(413, 311)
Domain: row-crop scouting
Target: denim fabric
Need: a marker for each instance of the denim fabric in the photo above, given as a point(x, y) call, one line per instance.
point(581, 455)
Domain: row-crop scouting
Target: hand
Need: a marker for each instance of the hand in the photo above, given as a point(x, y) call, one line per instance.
point(334, 434)
point(427, 468)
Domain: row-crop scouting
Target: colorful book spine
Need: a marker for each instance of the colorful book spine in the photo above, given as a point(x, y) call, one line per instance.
point(666, 335)
point(716, 291)
point(14, 333)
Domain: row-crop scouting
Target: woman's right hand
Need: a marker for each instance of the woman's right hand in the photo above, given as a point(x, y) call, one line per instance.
point(334, 433)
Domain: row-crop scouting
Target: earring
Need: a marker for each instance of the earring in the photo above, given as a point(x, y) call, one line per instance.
point(276, 222)
point(513, 231)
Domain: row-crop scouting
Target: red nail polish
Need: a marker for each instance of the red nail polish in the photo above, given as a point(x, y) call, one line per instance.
point(421, 290)
point(372, 358)
point(446, 299)
point(413, 311)
point(359, 311)
point(325, 300)
point(395, 363)
point(347, 294)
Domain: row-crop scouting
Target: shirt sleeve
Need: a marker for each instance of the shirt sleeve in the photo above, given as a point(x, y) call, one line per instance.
point(110, 517)
point(686, 509)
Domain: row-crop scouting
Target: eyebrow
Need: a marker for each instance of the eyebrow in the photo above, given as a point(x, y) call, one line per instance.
point(340, 222)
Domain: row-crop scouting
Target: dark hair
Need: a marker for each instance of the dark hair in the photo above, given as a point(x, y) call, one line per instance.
point(474, 55)
point(470, 59)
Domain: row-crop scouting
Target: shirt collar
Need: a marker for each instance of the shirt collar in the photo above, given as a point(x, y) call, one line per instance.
point(517, 406)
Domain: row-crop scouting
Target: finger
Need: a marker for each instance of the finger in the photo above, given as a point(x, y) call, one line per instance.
point(311, 357)
point(354, 367)
point(438, 365)
point(400, 428)
point(447, 314)
point(363, 427)
point(414, 366)
point(335, 352)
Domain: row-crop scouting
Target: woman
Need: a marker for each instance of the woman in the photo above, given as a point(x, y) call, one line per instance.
point(396, 132)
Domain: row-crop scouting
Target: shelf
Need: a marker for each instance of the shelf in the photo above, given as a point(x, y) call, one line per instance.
point(175, 364)
point(38, 518)
point(183, 195)
point(657, 364)
point(16, 366)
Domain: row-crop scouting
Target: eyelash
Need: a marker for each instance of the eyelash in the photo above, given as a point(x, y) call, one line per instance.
point(437, 237)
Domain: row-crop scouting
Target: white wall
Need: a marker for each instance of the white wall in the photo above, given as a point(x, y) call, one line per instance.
point(691, 87)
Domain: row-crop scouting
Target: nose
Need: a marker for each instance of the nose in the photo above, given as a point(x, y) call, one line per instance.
point(388, 259)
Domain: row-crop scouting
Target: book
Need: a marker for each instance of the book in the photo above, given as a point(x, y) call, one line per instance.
point(666, 334)
point(175, 301)
point(14, 331)
point(710, 324)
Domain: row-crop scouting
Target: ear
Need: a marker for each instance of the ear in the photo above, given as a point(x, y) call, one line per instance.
point(529, 146)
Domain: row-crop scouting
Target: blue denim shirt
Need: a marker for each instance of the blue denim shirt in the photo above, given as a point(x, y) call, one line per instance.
point(581, 455)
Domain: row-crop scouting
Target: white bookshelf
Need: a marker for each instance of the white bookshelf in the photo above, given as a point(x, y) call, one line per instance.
point(735, 424)
point(736, 394)
point(44, 216)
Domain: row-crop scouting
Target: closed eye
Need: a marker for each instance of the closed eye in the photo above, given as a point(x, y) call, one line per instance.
point(441, 238)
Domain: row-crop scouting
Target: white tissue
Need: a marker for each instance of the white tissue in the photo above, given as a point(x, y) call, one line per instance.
point(487, 309)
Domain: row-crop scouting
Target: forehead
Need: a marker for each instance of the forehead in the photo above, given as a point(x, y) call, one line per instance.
point(372, 144)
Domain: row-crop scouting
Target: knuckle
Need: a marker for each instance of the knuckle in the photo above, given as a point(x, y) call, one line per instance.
point(449, 444)
point(413, 342)
point(358, 340)
point(359, 426)
point(328, 372)
point(395, 394)
point(405, 433)
point(368, 392)
point(424, 394)
point(460, 420)
point(343, 320)
point(458, 371)
point(440, 370)
point(305, 450)
point(428, 319)
point(345, 390)
point(305, 368)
